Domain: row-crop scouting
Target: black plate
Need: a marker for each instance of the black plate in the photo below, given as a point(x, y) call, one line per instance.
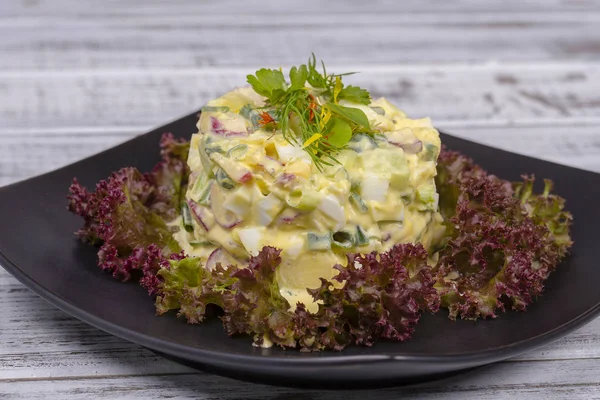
point(38, 247)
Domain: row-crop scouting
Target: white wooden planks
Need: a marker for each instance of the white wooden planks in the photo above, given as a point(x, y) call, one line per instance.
point(71, 34)
point(153, 8)
point(496, 93)
point(567, 379)
point(552, 111)
point(78, 77)
point(26, 153)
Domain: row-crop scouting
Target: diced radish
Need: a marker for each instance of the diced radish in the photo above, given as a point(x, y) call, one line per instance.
point(224, 217)
point(286, 180)
point(218, 128)
point(288, 216)
point(410, 148)
point(202, 215)
point(405, 139)
point(246, 177)
point(234, 170)
point(219, 256)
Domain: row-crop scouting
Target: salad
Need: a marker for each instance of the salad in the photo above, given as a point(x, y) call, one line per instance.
point(316, 217)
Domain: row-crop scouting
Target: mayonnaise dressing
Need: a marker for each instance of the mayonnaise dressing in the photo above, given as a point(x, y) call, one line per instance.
point(250, 188)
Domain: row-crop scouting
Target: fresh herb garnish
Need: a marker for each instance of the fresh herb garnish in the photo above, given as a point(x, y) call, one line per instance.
point(311, 117)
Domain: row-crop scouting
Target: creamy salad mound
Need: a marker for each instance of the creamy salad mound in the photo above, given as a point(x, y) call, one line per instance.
point(250, 187)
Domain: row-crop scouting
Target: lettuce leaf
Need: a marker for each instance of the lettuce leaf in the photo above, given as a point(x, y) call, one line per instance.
point(382, 296)
point(249, 296)
point(502, 240)
point(375, 296)
point(127, 214)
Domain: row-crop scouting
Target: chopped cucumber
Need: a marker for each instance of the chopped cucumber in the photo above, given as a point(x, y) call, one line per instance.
point(318, 242)
point(200, 243)
point(251, 115)
point(237, 152)
point(355, 186)
point(343, 239)
point(378, 110)
point(224, 180)
point(186, 215)
point(428, 198)
point(361, 142)
point(222, 109)
point(380, 137)
point(362, 238)
point(302, 199)
point(204, 196)
point(359, 202)
point(431, 152)
point(214, 149)
point(200, 190)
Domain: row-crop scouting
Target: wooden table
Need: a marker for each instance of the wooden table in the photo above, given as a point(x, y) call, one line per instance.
point(78, 77)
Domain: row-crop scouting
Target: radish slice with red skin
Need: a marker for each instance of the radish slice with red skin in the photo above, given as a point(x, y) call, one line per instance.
point(246, 177)
point(202, 215)
point(219, 256)
point(410, 148)
point(219, 129)
point(406, 140)
point(288, 216)
point(236, 171)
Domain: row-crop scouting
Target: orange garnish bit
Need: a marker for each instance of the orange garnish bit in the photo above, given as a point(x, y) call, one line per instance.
point(311, 107)
point(265, 118)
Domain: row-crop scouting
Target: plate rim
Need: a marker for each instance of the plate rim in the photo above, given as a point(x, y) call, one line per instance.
point(471, 358)
point(239, 362)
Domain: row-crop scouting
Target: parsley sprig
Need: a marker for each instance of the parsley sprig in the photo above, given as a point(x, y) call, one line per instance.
point(310, 115)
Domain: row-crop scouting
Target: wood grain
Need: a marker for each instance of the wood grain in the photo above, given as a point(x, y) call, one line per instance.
point(155, 8)
point(573, 379)
point(71, 34)
point(26, 153)
point(79, 77)
point(56, 118)
point(482, 94)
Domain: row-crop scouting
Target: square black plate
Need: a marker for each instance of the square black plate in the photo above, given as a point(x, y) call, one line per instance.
point(38, 247)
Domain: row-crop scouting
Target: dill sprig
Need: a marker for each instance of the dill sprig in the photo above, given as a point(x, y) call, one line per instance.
point(310, 115)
